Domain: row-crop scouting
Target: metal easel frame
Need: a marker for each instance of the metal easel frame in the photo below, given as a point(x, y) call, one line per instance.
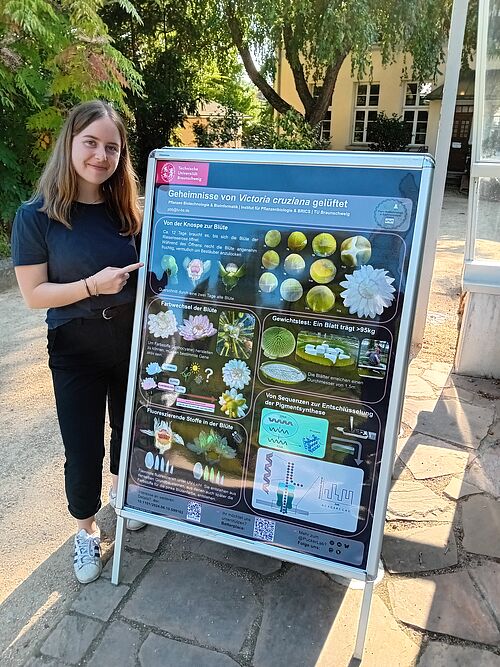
point(400, 161)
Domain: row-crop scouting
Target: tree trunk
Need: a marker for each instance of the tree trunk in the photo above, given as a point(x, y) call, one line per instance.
point(275, 100)
point(319, 109)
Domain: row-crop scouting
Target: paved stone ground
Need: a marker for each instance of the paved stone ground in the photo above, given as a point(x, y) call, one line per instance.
point(187, 602)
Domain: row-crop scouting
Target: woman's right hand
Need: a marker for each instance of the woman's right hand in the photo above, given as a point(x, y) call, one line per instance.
point(111, 280)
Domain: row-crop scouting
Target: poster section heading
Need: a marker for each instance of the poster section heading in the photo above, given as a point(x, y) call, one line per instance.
point(299, 207)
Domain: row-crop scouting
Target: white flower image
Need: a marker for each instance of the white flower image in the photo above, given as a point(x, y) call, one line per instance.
point(148, 383)
point(368, 291)
point(236, 374)
point(233, 404)
point(162, 325)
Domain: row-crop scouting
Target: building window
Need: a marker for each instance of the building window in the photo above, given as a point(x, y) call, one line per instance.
point(325, 127)
point(415, 111)
point(365, 111)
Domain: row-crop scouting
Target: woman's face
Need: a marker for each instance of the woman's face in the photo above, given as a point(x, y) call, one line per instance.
point(95, 153)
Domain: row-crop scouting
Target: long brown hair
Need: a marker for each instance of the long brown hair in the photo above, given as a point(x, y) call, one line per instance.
point(58, 184)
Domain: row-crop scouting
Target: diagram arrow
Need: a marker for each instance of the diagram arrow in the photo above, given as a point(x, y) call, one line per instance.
point(205, 398)
point(358, 459)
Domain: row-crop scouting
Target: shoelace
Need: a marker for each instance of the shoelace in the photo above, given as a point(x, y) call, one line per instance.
point(87, 549)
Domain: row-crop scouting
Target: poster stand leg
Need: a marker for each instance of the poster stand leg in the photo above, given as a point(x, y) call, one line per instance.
point(363, 621)
point(117, 556)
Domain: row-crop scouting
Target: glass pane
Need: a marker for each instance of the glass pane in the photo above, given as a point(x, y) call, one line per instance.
point(369, 136)
point(419, 138)
point(490, 144)
point(361, 101)
point(423, 115)
point(408, 116)
point(374, 89)
point(487, 245)
point(372, 115)
point(358, 136)
point(374, 100)
point(411, 94)
point(359, 127)
point(361, 88)
point(360, 115)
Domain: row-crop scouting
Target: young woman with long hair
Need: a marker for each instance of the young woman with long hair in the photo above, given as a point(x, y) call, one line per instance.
point(74, 251)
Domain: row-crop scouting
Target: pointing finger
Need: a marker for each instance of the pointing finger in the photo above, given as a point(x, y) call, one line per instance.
point(132, 267)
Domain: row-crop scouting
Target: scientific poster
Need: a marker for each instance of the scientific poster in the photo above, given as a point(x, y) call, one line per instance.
point(270, 323)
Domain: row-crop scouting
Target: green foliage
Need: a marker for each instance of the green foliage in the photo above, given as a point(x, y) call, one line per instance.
point(183, 63)
point(219, 132)
point(316, 37)
point(389, 134)
point(289, 131)
point(52, 56)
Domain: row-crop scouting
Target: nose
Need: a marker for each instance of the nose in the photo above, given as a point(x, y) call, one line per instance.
point(100, 153)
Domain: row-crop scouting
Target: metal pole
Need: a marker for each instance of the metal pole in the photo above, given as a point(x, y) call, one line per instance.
point(364, 616)
point(117, 555)
point(453, 63)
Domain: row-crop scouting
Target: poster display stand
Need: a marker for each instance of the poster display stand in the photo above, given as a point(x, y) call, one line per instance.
point(269, 357)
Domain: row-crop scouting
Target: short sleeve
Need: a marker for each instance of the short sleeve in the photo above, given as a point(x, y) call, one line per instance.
point(29, 245)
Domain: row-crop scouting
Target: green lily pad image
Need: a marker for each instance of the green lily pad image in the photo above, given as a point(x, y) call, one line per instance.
point(282, 373)
point(327, 351)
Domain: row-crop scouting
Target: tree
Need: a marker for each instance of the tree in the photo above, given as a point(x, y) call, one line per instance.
point(315, 37)
point(51, 57)
point(177, 51)
point(389, 133)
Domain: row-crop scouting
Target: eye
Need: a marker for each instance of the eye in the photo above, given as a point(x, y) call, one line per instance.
point(113, 149)
point(90, 142)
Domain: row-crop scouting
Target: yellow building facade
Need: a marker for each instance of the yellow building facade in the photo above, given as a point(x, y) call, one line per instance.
point(355, 103)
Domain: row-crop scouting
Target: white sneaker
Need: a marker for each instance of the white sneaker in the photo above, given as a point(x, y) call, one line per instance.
point(87, 561)
point(132, 524)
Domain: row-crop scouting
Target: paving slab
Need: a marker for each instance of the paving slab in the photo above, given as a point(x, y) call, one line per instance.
point(429, 457)
point(487, 578)
point(119, 646)
point(40, 662)
point(132, 564)
point(439, 654)
point(99, 599)
point(420, 549)
point(458, 488)
point(461, 394)
point(445, 603)
point(196, 601)
point(485, 471)
point(481, 524)
point(225, 554)
point(386, 642)
point(413, 501)
point(298, 616)
point(437, 374)
point(71, 638)
point(412, 408)
point(450, 419)
point(162, 652)
point(417, 387)
point(148, 539)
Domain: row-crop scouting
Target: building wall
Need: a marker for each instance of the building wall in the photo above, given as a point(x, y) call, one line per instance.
point(391, 99)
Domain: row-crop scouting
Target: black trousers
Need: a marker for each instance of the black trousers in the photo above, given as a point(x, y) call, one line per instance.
point(89, 360)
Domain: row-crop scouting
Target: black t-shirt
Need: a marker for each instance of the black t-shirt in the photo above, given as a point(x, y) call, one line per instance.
point(93, 243)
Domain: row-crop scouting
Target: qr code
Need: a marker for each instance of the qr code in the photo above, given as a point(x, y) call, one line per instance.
point(194, 512)
point(263, 529)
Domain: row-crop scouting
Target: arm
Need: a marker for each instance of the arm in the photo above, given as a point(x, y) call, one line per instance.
point(39, 293)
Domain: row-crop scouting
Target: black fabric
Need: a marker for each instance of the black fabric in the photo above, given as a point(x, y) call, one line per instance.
point(93, 243)
point(89, 361)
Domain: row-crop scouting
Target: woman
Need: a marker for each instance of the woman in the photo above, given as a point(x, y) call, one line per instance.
point(74, 252)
